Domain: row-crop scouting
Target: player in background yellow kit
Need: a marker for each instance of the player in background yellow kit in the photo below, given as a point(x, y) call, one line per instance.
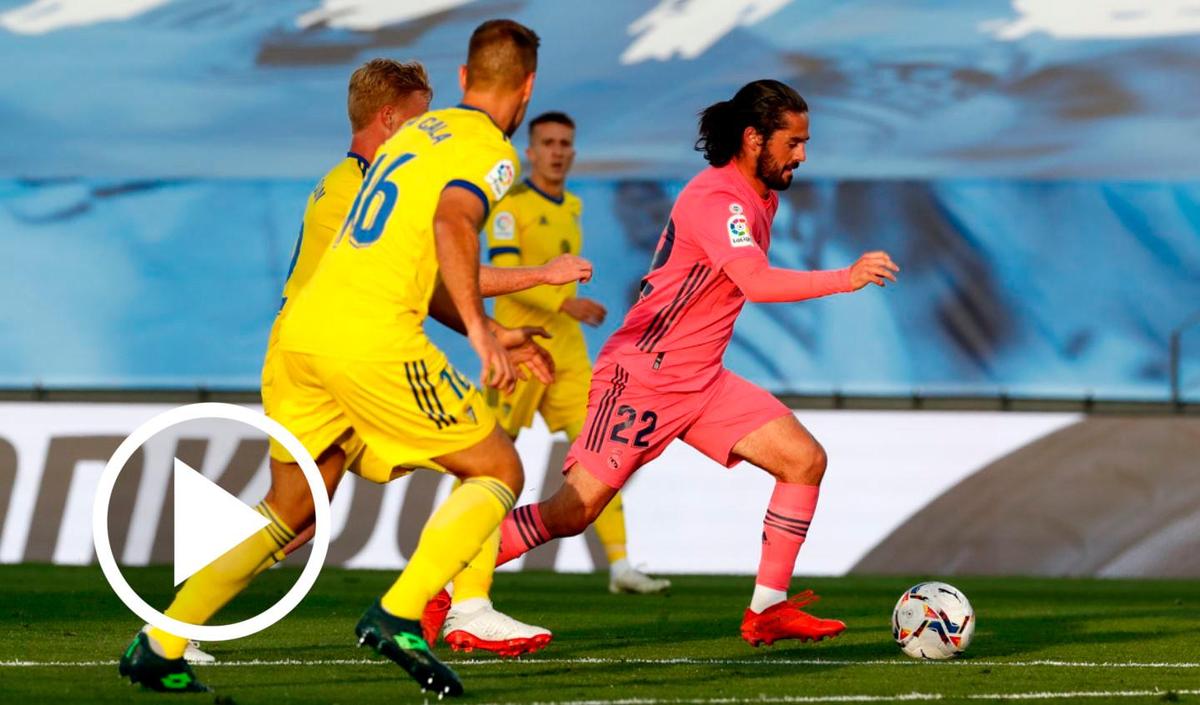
point(539, 220)
point(383, 94)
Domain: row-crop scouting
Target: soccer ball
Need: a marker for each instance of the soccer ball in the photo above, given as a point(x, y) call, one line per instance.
point(933, 621)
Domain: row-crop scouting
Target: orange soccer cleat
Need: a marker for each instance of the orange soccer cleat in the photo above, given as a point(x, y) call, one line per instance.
point(434, 617)
point(786, 621)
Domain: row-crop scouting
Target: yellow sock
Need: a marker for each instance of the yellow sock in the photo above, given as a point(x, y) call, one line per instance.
point(476, 579)
point(451, 538)
point(217, 583)
point(610, 527)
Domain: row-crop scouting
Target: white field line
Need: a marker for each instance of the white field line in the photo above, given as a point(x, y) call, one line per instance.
point(760, 699)
point(1047, 695)
point(658, 662)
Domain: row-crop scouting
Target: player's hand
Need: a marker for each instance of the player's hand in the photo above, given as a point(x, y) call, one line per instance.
point(529, 355)
point(515, 337)
point(586, 311)
point(565, 269)
point(525, 353)
point(873, 268)
point(497, 369)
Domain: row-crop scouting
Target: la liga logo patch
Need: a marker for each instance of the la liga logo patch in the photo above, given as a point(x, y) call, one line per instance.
point(500, 178)
point(738, 227)
point(504, 226)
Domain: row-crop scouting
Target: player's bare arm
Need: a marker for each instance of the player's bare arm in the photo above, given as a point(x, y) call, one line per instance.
point(456, 222)
point(584, 310)
point(564, 269)
point(523, 350)
point(762, 283)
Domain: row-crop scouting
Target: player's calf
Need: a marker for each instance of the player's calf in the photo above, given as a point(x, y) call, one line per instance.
point(290, 495)
point(568, 512)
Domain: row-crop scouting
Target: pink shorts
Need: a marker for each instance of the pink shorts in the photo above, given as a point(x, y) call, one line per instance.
point(629, 424)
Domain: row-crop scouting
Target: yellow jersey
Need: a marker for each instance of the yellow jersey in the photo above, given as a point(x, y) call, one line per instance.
point(529, 228)
point(369, 295)
point(324, 214)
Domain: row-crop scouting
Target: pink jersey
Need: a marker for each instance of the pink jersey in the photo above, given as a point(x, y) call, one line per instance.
point(676, 333)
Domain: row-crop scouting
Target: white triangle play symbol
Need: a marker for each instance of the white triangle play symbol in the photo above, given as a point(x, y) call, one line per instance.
point(208, 521)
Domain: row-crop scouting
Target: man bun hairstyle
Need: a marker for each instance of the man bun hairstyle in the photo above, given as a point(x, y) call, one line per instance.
point(381, 82)
point(501, 54)
point(760, 104)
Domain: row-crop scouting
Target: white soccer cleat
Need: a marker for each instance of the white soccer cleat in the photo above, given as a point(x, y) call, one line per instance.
point(632, 580)
point(481, 626)
point(193, 653)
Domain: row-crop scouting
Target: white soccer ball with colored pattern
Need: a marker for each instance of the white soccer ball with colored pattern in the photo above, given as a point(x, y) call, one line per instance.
point(933, 621)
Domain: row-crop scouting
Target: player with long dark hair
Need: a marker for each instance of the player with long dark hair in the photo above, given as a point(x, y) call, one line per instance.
point(661, 377)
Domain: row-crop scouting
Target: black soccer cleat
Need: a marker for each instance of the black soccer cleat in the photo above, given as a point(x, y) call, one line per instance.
point(140, 664)
point(400, 640)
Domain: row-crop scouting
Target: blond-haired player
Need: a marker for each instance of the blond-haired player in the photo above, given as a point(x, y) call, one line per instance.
point(288, 504)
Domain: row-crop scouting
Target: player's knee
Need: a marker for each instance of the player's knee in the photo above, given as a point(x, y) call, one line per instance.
point(808, 463)
point(801, 463)
point(818, 460)
point(293, 505)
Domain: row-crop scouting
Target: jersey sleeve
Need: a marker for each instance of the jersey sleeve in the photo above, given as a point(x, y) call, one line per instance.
point(337, 194)
point(720, 223)
point(503, 235)
point(488, 171)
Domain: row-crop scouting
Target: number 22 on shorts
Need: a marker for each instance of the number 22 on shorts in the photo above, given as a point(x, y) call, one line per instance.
point(642, 437)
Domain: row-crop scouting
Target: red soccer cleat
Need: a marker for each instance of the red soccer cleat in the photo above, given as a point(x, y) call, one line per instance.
point(786, 621)
point(434, 617)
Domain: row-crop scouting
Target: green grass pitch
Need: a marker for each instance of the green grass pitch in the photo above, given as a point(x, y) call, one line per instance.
point(62, 629)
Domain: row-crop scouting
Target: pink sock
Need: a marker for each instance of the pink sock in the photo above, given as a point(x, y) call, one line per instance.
point(520, 532)
point(784, 528)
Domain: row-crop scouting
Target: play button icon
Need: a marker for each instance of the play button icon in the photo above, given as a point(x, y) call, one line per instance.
point(209, 521)
point(198, 539)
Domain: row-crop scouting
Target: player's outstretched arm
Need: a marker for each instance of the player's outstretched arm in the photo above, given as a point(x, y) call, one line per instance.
point(762, 283)
point(456, 222)
point(564, 269)
point(520, 343)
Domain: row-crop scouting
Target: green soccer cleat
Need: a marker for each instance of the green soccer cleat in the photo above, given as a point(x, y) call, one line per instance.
point(142, 665)
point(400, 640)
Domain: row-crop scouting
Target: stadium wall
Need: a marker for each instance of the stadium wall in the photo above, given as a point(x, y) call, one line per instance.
point(938, 493)
point(1020, 288)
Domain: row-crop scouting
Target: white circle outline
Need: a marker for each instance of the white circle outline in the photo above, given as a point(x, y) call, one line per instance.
point(108, 563)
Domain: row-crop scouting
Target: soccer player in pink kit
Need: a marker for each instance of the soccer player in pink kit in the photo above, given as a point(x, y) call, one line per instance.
point(661, 377)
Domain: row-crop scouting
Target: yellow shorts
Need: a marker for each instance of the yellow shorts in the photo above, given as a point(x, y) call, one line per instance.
point(351, 445)
point(563, 404)
point(389, 417)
